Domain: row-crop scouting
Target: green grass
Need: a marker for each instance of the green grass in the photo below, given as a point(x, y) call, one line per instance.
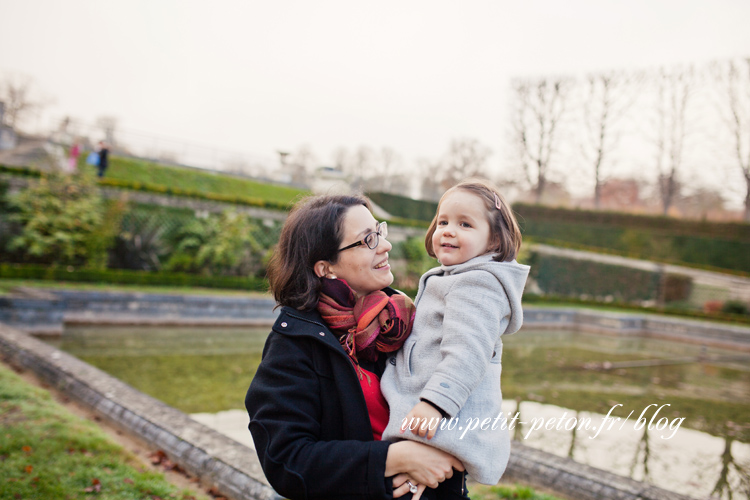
point(501, 491)
point(187, 179)
point(47, 452)
point(7, 285)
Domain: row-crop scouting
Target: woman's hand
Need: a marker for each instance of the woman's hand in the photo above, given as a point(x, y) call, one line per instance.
point(424, 464)
point(402, 484)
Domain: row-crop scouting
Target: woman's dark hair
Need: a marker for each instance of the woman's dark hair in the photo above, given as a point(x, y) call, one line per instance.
point(312, 232)
point(504, 230)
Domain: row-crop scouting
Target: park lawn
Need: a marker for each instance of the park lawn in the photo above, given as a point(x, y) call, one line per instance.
point(47, 452)
point(505, 491)
point(188, 179)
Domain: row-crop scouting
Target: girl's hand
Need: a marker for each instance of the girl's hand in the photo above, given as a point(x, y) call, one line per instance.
point(422, 420)
point(401, 486)
point(426, 465)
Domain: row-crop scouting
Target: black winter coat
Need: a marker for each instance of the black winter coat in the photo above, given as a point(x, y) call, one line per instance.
point(308, 416)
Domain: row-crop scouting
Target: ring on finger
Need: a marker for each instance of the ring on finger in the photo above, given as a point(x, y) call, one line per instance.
point(412, 487)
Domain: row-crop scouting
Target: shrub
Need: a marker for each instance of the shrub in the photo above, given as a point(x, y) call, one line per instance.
point(735, 307)
point(224, 244)
point(417, 262)
point(64, 221)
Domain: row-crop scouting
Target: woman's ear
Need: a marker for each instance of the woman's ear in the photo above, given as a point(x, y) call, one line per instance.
point(322, 268)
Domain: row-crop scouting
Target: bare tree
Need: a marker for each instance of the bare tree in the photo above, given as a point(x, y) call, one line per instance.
point(465, 158)
point(430, 188)
point(107, 125)
point(734, 80)
point(675, 89)
point(606, 99)
point(389, 167)
point(387, 173)
point(540, 106)
point(16, 93)
point(364, 162)
point(341, 159)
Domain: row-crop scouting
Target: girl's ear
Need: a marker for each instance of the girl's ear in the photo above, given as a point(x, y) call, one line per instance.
point(322, 268)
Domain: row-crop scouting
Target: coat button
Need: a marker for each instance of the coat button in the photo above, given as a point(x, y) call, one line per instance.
point(283, 324)
point(322, 334)
point(392, 361)
point(443, 384)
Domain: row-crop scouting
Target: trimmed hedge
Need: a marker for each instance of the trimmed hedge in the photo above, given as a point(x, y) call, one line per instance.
point(581, 278)
point(737, 231)
point(405, 208)
point(725, 247)
point(125, 277)
point(159, 189)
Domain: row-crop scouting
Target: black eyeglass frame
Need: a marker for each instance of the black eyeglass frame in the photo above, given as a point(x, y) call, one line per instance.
point(381, 231)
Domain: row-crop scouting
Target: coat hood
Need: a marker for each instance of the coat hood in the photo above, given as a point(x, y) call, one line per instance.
point(511, 275)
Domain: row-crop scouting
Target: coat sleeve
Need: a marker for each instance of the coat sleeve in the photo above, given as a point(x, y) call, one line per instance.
point(285, 407)
point(476, 307)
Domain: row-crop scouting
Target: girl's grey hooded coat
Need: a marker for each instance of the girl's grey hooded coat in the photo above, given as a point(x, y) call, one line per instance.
point(452, 359)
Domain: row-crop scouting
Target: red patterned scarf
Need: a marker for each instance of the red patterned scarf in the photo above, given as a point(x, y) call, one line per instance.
point(367, 325)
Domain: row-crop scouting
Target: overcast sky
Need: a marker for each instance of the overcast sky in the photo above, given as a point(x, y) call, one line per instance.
point(258, 76)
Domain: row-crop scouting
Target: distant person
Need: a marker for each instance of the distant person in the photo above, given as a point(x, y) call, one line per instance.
point(75, 152)
point(103, 158)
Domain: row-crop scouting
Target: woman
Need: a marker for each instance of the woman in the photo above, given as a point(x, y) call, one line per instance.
point(314, 404)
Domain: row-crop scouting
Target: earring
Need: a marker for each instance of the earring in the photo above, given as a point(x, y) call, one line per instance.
point(331, 277)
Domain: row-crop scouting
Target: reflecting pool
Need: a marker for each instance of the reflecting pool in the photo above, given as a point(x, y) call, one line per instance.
point(668, 413)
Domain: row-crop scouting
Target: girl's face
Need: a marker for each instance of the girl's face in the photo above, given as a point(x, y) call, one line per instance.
point(462, 231)
point(365, 270)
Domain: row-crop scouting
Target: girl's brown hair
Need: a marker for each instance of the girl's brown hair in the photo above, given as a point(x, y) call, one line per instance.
point(312, 232)
point(504, 230)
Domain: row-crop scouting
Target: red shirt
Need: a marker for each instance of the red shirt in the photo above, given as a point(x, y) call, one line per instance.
point(377, 406)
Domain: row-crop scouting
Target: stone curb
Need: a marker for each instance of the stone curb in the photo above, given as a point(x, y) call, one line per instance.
point(46, 311)
point(639, 325)
point(571, 479)
point(233, 469)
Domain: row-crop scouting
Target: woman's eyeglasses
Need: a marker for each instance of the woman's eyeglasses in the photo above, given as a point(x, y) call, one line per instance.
point(371, 239)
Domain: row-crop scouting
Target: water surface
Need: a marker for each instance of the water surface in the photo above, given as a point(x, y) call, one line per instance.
point(703, 393)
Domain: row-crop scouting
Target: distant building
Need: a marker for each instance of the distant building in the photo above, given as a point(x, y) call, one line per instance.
point(620, 194)
point(329, 180)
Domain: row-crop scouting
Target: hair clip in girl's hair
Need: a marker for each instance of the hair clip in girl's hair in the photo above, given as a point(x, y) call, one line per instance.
point(497, 202)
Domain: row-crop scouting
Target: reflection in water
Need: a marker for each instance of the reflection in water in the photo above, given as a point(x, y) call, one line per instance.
point(545, 375)
point(689, 463)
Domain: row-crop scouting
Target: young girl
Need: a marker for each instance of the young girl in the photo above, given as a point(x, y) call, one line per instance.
point(449, 368)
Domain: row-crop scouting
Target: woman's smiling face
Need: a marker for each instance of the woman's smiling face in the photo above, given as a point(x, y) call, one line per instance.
point(462, 231)
point(365, 270)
